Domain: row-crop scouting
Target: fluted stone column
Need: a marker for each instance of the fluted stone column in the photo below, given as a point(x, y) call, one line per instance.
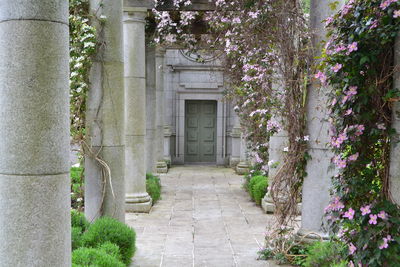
point(394, 182)
point(137, 199)
point(318, 181)
point(150, 144)
point(243, 167)
point(277, 144)
point(161, 164)
point(35, 202)
point(236, 141)
point(105, 119)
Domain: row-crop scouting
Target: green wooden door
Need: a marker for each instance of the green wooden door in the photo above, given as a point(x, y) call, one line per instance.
point(200, 131)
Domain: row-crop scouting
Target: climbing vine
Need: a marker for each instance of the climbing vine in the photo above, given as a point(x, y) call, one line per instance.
point(358, 64)
point(267, 55)
point(83, 45)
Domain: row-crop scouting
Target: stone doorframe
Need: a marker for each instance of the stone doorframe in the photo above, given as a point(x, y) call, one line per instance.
point(181, 97)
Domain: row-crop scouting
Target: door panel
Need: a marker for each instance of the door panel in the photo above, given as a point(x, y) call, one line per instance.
point(200, 131)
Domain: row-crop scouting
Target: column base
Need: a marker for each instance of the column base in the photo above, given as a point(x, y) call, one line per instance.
point(161, 167)
point(269, 207)
point(309, 237)
point(139, 203)
point(234, 161)
point(242, 168)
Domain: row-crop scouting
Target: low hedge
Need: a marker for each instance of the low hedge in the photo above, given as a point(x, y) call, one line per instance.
point(258, 188)
point(107, 229)
point(153, 187)
point(106, 242)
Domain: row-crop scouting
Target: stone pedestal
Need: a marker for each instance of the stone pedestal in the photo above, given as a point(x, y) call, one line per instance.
point(236, 142)
point(137, 199)
point(317, 183)
point(161, 166)
point(105, 160)
point(394, 182)
point(35, 227)
point(243, 167)
point(167, 144)
point(277, 143)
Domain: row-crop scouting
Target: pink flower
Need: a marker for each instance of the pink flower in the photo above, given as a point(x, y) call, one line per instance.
point(365, 210)
point(352, 91)
point(353, 47)
point(360, 130)
point(381, 126)
point(321, 76)
point(348, 112)
point(385, 243)
point(349, 214)
point(354, 157)
point(328, 21)
point(337, 67)
point(374, 24)
point(396, 14)
point(352, 249)
point(383, 215)
point(373, 219)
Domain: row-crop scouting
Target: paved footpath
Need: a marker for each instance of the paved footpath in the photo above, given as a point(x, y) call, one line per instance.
point(205, 218)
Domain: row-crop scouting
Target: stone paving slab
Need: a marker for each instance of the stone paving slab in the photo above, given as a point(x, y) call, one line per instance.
point(204, 219)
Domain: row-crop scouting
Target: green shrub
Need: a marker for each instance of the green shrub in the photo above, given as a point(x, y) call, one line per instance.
point(325, 254)
point(111, 249)
point(108, 229)
point(76, 236)
point(153, 187)
point(259, 190)
point(78, 219)
point(77, 187)
point(96, 257)
point(248, 177)
point(253, 182)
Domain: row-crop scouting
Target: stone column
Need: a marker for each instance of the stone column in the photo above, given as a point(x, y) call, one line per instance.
point(105, 160)
point(316, 185)
point(243, 166)
point(167, 145)
point(161, 164)
point(150, 143)
point(394, 182)
point(236, 141)
point(277, 144)
point(35, 202)
point(137, 199)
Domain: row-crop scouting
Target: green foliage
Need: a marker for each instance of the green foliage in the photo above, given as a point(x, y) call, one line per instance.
point(254, 171)
point(325, 254)
point(77, 188)
point(96, 257)
point(83, 45)
point(153, 187)
point(76, 236)
point(78, 219)
point(110, 230)
point(258, 188)
point(111, 249)
point(357, 63)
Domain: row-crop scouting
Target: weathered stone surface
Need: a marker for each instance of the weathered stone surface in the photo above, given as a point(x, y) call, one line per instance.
point(137, 199)
point(35, 221)
point(204, 218)
point(105, 118)
point(34, 134)
point(318, 180)
point(150, 110)
point(33, 97)
point(395, 149)
point(47, 10)
point(113, 202)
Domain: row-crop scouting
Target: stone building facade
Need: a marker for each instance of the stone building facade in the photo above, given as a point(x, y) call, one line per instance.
point(199, 123)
